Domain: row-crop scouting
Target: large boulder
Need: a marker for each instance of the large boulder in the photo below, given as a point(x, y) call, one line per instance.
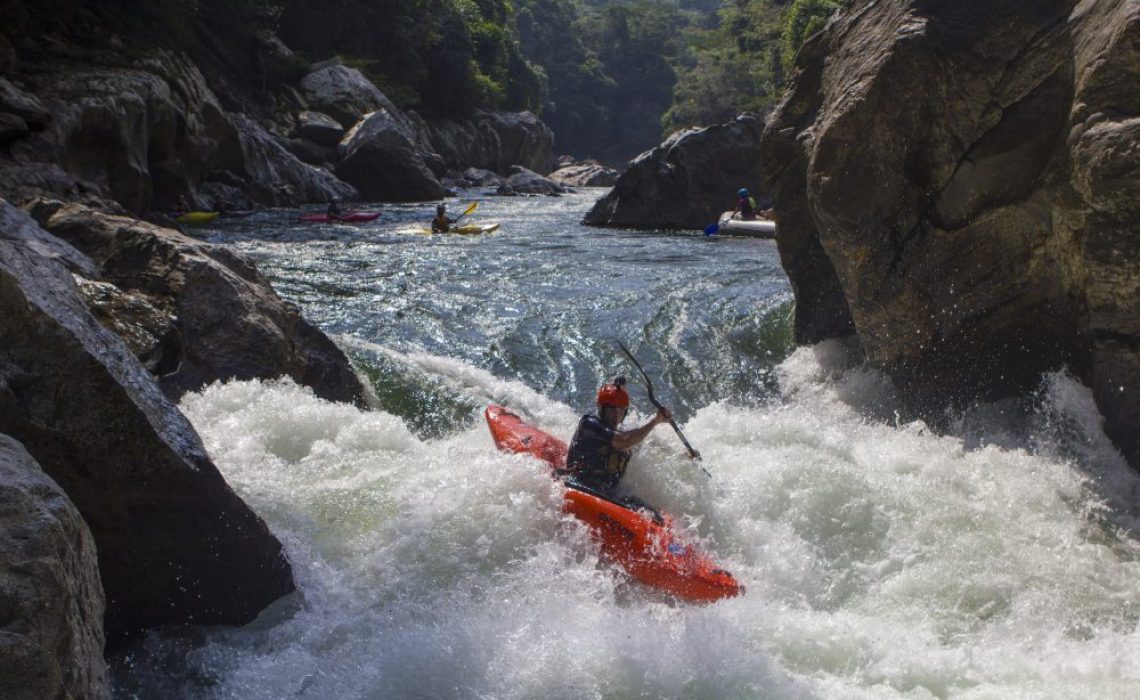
point(175, 544)
point(278, 177)
point(494, 141)
point(687, 181)
point(383, 156)
point(208, 314)
point(523, 140)
point(319, 128)
point(51, 642)
point(523, 181)
point(343, 93)
point(466, 144)
point(958, 184)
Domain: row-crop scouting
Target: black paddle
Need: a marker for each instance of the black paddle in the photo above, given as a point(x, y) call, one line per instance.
point(653, 400)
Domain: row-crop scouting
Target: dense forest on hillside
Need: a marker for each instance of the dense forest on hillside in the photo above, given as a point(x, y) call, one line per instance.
point(610, 77)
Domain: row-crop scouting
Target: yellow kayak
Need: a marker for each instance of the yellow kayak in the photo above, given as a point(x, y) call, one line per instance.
point(467, 229)
point(197, 217)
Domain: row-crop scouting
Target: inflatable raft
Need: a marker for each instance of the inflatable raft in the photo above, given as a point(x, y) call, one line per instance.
point(641, 540)
point(353, 217)
point(758, 228)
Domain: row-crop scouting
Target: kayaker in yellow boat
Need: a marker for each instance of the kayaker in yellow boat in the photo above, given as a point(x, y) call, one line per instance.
point(599, 452)
point(441, 223)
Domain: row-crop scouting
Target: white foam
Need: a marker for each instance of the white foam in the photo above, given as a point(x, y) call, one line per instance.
point(882, 560)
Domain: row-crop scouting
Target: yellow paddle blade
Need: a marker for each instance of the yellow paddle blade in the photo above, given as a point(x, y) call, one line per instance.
point(473, 207)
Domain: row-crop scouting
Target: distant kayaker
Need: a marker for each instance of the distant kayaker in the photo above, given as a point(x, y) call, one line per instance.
point(746, 208)
point(441, 223)
point(334, 210)
point(182, 205)
point(599, 453)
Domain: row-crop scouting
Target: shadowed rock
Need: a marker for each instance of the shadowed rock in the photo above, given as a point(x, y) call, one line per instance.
point(219, 317)
point(958, 185)
point(383, 158)
point(51, 643)
point(175, 544)
point(687, 181)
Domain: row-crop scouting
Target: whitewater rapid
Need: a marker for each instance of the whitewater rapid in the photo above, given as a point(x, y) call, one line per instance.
point(882, 560)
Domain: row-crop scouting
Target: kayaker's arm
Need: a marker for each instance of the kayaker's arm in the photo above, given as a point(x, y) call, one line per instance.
point(629, 438)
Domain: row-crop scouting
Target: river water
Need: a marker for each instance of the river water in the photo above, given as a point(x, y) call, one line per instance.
point(882, 559)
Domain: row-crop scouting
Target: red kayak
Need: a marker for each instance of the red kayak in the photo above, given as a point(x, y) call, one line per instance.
point(641, 540)
point(353, 217)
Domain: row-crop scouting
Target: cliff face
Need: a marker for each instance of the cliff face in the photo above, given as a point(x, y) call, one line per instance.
point(958, 186)
point(142, 137)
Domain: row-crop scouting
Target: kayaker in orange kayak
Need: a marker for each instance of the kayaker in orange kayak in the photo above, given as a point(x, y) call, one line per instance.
point(599, 453)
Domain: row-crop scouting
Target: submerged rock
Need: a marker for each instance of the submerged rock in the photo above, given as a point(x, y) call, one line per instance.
point(687, 181)
point(51, 645)
point(958, 184)
point(175, 544)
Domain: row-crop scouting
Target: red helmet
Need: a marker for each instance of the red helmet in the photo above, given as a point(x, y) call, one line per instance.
point(614, 394)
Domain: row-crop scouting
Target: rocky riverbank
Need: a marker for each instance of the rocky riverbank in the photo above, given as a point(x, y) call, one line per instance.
point(114, 519)
point(144, 137)
point(958, 187)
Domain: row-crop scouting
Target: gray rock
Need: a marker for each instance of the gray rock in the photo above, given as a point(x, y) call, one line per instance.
point(319, 128)
point(687, 181)
point(278, 177)
point(221, 318)
point(343, 93)
point(523, 140)
point(23, 104)
point(175, 544)
point(523, 181)
point(493, 141)
point(958, 186)
point(585, 174)
point(381, 158)
point(145, 136)
point(309, 152)
point(51, 645)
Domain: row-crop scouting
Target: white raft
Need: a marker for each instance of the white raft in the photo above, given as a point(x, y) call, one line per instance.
point(757, 228)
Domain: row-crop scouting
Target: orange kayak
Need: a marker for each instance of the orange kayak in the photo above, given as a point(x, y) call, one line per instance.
point(641, 540)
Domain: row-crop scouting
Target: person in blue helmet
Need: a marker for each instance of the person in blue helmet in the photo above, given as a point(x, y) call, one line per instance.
point(746, 208)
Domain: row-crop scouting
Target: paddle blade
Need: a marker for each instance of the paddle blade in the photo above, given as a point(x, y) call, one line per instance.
point(712, 230)
point(473, 207)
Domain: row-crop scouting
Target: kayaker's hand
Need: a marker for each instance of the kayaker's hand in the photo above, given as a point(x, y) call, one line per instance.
point(664, 415)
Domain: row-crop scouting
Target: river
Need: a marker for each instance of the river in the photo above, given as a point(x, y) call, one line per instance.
point(882, 559)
